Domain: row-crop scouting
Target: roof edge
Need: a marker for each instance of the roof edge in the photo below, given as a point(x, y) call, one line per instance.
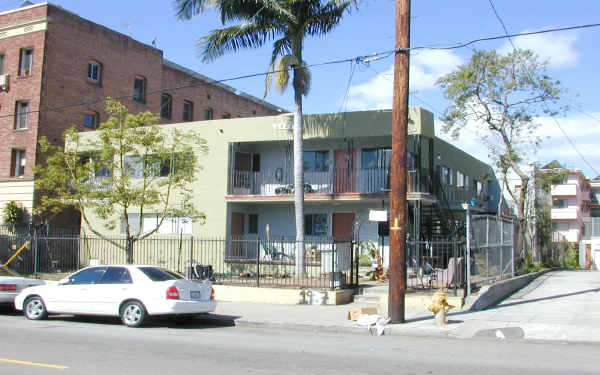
point(234, 91)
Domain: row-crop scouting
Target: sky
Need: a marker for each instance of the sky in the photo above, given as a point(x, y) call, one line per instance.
point(572, 58)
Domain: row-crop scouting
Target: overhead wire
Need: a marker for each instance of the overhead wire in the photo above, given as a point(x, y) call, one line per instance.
point(362, 58)
point(530, 76)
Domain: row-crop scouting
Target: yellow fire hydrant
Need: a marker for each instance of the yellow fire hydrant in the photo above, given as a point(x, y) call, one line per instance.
point(439, 307)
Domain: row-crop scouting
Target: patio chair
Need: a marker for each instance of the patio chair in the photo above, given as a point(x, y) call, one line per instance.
point(272, 253)
point(447, 276)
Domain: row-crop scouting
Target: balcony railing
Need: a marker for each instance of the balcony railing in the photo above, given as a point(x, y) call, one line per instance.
point(333, 181)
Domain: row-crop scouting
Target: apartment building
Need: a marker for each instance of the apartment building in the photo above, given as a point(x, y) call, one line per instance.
point(55, 70)
point(346, 172)
point(570, 202)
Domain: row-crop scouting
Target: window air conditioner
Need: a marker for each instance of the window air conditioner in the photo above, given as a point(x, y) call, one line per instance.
point(4, 82)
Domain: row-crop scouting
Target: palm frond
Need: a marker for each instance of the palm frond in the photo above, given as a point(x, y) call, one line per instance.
point(280, 47)
point(232, 39)
point(186, 9)
point(325, 19)
point(282, 74)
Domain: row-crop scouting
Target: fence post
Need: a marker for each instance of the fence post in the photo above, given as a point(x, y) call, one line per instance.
point(512, 247)
point(468, 250)
point(487, 246)
point(333, 255)
point(356, 255)
point(257, 261)
point(455, 255)
point(35, 251)
point(190, 270)
point(501, 246)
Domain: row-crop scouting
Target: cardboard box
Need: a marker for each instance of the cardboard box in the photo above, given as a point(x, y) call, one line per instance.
point(353, 314)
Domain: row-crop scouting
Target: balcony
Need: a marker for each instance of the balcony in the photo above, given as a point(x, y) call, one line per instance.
point(336, 181)
point(570, 213)
point(566, 190)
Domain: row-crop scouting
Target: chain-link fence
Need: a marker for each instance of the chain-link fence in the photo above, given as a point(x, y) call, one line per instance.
point(491, 242)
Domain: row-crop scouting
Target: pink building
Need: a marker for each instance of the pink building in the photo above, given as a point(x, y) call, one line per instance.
point(570, 203)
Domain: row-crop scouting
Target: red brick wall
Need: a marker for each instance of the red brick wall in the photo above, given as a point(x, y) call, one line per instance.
point(20, 89)
point(59, 82)
point(205, 96)
point(72, 43)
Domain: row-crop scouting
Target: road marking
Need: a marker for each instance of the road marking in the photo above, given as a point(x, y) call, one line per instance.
point(33, 364)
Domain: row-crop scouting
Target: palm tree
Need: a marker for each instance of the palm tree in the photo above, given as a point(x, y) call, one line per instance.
point(286, 23)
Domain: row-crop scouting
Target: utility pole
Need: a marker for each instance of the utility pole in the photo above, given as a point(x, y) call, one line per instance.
point(397, 286)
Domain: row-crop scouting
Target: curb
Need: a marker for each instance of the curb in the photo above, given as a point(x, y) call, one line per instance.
point(394, 329)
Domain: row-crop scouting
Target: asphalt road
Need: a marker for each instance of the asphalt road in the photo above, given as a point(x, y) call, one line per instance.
point(68, 345)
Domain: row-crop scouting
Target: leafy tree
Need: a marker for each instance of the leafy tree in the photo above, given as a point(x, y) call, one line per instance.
point(502, 95)
point(287, 23)
point(131, 166)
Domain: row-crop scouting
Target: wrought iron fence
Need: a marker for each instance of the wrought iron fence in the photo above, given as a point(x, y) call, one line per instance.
point(437, 264)
point(327, 263)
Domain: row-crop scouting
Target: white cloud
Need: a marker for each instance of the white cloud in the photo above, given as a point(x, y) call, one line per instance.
point(429, 65)
point(425, 68)
point(556, 48)
point(583, 130)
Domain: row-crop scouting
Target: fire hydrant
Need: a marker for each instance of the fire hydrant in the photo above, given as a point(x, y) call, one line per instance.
point(439, 307)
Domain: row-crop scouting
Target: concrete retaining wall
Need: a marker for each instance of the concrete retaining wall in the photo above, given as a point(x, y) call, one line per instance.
point(282, 296)
point(490, 295)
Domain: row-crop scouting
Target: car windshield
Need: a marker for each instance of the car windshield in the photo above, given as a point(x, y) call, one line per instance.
point(159, 274)
point(6, 272)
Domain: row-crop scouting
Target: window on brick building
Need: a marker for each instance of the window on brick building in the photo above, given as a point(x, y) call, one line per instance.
point(188, 110)
point(22, 115)
point(166, 106)
point(90, 120)
point(139, 89)
point(2, 64)
point(26, 63)
point(18, 162)
point(94, 71)
point(208, 114)
point(226, 115)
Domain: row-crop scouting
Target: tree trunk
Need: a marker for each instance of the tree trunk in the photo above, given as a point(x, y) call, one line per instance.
point(298, 164)
point(521, 218)
point(129, 250)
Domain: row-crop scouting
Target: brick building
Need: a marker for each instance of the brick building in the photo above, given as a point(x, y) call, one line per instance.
point(52, 60)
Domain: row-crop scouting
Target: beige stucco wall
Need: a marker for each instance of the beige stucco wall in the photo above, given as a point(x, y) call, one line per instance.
point(211, 185)
point(19, 190)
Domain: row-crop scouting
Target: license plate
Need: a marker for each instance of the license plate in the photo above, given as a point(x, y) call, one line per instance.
point(195, 295)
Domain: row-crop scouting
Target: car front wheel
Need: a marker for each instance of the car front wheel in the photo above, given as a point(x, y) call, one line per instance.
point(35, 308)
point(133, 314)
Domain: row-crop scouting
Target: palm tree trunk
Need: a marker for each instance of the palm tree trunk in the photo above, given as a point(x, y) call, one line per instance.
point(298, 164)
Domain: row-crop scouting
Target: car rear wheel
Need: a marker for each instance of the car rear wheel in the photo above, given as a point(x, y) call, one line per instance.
point(133, 314)
point(35, 308)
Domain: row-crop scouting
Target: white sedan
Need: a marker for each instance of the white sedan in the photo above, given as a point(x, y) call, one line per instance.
point(11, 284)
point(130, 291)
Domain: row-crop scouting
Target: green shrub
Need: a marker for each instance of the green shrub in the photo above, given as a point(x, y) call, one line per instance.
point(364, 260)
point(14, 214)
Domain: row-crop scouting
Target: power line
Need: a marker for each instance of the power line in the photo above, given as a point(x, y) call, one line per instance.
point(530, 76)
point(362, 58)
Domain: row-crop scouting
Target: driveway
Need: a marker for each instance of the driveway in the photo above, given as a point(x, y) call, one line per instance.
point(559, 305)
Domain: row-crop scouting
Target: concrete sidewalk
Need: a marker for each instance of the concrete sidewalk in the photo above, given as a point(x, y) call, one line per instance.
point(558, 305)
